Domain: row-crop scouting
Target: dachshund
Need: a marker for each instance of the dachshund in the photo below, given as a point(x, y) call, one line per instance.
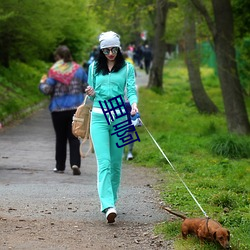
point(204, 229)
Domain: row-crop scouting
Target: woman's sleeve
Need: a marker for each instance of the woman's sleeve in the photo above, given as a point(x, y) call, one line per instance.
point(47, 87)
point(131, 85)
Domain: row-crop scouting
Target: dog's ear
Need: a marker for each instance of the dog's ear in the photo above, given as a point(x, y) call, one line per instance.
point(214, 235)
point(228, 237)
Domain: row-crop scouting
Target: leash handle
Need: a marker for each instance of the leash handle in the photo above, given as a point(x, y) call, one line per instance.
point(174, 170)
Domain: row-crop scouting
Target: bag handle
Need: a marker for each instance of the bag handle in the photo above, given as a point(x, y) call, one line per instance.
point(85, 99)
point(91, 148)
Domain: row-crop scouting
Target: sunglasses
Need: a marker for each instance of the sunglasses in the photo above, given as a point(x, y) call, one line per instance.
point(106, 51)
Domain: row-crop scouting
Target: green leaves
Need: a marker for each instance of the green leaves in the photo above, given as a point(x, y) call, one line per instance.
point(28, 33)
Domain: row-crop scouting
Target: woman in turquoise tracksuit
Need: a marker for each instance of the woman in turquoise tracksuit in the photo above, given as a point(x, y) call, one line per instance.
point(108, 77)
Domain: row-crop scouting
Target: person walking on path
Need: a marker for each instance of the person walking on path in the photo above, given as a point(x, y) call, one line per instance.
point(147, 54)
point(108, 77)
point(65, 84)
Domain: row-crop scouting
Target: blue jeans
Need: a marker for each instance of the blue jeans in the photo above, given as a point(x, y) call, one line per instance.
point(109, 158)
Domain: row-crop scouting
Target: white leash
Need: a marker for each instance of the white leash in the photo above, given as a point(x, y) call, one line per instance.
point(174, 170)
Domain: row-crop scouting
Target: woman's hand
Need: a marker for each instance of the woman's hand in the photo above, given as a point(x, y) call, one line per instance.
point(43, 79)
point(90, 91)
point(134, 109)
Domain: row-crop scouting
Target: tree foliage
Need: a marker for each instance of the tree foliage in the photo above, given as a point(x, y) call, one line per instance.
point(28, 33)
point(242, 34)
point(241, 18)
point(126, 17)
point(33, 29)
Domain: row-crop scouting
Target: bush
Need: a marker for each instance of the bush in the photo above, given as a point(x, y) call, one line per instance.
point(231, 146)
point(223, 200)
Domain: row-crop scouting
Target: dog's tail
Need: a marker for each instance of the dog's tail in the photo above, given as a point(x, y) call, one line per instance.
point(175, 213)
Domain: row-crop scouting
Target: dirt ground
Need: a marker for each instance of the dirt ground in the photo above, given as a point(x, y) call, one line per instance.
point(40, 209)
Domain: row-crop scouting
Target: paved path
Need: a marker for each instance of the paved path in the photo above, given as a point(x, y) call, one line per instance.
point(141, 78)
point(30, 190)
point(26, 163)
point(27, 160)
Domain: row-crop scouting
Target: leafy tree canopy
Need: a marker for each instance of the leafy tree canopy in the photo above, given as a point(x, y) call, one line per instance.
point(33, 32)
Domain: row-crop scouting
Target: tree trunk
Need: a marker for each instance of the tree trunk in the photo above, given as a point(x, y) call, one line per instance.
point(223, 38)
point(235, 109)
point(201, 99)
point(159, 47)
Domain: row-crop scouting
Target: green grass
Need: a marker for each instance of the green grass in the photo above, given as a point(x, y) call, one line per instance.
point(214, 164)
point(19, 88)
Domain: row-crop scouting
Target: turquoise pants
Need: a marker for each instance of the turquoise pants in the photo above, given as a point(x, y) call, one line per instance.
point(109, 158)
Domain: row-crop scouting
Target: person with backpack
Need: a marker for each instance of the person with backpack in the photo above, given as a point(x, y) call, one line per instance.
point(108, 77)
point(65, 83)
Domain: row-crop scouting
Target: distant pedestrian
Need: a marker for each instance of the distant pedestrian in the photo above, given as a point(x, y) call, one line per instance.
point(138, 56)
point(93, 55)
point(147, 54)
point(65, 84)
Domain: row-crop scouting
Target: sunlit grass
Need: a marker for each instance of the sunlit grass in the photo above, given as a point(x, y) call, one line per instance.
point(193, 143)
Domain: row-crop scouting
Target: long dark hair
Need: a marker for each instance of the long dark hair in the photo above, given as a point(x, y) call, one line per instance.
point(63, 52)
point(102, 67)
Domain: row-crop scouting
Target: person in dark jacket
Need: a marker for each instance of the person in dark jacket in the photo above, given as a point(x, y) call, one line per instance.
point(147, 54)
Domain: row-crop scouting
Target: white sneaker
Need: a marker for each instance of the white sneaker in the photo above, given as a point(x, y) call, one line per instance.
point(130, 156)
point(58, 171)
point(111, 214)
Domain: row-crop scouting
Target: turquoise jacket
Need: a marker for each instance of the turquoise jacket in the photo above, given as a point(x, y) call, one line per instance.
point(113, 84)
